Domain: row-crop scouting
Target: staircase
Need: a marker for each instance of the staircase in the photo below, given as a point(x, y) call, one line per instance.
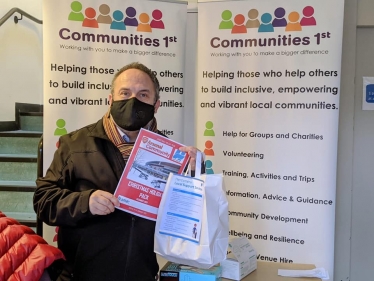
point(19, 141)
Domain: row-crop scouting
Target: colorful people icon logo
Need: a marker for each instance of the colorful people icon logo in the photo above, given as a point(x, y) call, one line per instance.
point(209, 129)
point(226, 22)
point(194, 231)
point(144, 23)
point(130, 19)
point(293, 24)
point(90, 20)
point(76, 14)
point(239, 26)
point(266, 25)
point(308, 18)
point(60, 130)
point(157, 20)
point(208, 148)
point(268, 21)
point(279, 20)
point(208, 167)
point(104, 16)
point(252, 22)
point(117, 22)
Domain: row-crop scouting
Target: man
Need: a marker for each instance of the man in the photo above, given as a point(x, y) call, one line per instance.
point(99, 241)
point(194, 231)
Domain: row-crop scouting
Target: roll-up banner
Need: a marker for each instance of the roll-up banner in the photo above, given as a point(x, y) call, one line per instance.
point(85, 43)
point(267, 118)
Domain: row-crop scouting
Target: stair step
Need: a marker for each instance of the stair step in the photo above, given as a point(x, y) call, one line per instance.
point(19, 142)
point(25, 158)
point(31, 121)
point(18, 171)
point(28, 113)
point(22, 133)
point(17, 202)
point(28, 219)
point(18, 186)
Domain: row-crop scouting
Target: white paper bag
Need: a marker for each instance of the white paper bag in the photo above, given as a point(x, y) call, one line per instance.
point(214, 236)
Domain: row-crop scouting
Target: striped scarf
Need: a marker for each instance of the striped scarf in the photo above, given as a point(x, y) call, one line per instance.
point(112, 132)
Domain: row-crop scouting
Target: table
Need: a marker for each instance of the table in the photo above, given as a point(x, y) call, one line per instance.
point(268, 271)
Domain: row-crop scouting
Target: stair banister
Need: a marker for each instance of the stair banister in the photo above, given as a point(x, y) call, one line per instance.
point(39, 223)
point(16, 19)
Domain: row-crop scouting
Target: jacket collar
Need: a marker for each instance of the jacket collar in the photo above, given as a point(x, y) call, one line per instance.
point(97, 130)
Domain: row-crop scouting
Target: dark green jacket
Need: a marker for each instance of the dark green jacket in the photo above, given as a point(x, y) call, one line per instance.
point(115, 247)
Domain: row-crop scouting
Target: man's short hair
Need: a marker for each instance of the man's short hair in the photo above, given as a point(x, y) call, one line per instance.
point(141, 67)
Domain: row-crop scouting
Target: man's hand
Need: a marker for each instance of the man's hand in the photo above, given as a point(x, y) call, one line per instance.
point(192, 151)
point(102, 203)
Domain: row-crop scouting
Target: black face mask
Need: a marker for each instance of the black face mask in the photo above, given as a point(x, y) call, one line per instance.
point(132, 114)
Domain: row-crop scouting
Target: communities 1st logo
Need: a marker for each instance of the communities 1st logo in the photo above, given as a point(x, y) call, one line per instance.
point(124, 21)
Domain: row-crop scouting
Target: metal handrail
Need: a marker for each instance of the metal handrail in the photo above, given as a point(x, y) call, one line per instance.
point(16, 19)
point(39, 223)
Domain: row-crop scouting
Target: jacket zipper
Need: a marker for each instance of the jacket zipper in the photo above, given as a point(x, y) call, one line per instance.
point(130, 245)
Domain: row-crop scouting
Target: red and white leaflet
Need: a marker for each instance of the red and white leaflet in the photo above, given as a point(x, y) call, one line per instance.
point(143, 181)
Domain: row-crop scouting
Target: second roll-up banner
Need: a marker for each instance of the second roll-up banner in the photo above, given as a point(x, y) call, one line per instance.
point(267, 117)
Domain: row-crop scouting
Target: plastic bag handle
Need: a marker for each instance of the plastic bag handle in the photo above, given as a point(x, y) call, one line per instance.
point(197, 167)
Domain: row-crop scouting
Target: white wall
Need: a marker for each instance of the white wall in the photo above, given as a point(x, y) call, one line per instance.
point(362, 247)
point(343, 211)
point(365, 11)
point(21, 54)
point(359, 213)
